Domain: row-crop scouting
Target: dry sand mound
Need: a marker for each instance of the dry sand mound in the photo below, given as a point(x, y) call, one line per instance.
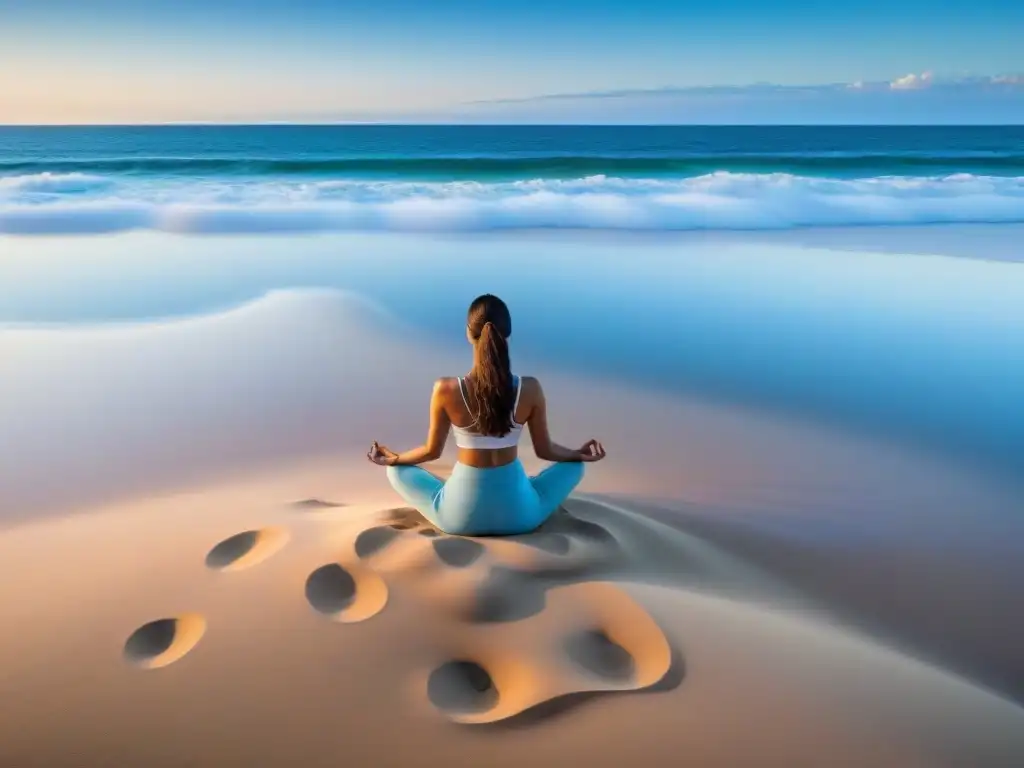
point(568, 638)
point(370, 638)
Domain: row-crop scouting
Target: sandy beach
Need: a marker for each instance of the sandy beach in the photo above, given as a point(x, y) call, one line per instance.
point(201, 569)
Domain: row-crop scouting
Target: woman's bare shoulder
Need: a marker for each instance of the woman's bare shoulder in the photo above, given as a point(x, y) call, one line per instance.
point(446, 392)
point(446, 384)
point(531, 385)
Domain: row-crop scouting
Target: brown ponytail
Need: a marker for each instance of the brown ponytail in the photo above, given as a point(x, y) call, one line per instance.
point(490, 325)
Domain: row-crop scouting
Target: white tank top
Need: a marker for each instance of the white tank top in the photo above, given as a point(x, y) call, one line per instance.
point(465, 438)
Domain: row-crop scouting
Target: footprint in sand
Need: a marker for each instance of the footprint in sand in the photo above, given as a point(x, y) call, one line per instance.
point(164, 641)
point(246, 549)
point(457, 552)
point(462, 688)
point(594, 652)
point(312, 505)
point(405, 519)
point(346, 593)
point(505, 595)
point(373, 540)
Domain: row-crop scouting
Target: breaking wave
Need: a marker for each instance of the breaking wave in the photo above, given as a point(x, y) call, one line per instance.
point(78, 203)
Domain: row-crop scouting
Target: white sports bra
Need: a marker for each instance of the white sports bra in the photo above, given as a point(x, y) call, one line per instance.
point(464, 438)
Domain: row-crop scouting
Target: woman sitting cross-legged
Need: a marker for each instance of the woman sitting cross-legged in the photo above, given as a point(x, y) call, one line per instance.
point(489, 492)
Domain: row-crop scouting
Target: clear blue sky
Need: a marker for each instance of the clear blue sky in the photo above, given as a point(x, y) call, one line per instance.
point(158, 60)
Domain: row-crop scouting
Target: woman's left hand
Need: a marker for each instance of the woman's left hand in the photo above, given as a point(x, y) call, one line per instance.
point(592, 450)
point(378, 454)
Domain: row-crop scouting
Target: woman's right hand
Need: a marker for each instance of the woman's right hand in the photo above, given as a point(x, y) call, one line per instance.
point(380, 455)
point(592, 450)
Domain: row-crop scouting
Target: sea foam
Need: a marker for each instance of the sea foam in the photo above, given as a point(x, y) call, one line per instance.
point(79, 204)
point(51, 183)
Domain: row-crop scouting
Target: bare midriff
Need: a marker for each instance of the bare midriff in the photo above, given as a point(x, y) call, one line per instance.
point(487, 458)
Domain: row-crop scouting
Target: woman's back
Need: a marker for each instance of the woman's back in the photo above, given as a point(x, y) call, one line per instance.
point(489, 491)
point(477, 449)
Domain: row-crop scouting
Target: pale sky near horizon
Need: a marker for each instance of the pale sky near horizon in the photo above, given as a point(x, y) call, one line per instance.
point(115, 61)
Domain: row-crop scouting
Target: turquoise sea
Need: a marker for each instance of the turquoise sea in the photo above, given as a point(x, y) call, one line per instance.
point(457, 178)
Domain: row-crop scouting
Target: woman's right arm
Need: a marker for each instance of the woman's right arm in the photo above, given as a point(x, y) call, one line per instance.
point(545, 448)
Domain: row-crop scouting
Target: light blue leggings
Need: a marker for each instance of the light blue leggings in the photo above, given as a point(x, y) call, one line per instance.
point(487, 502)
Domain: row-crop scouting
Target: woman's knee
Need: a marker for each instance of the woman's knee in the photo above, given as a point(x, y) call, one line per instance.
point(571, 472)
point(565, 470)
point(394, 474)
point(414, 483)
point(406, 478)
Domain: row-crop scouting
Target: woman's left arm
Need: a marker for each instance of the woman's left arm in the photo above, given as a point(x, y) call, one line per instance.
point(437, 435)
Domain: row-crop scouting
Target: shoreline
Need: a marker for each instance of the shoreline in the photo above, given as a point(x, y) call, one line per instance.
point(952, 240)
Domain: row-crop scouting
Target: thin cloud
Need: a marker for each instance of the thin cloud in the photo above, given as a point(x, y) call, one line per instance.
point(909, 82)
point(991, 99)
point(912, 82)
point(697, 90)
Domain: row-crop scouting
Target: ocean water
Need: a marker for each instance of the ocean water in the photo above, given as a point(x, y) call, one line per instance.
point(217, 179)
